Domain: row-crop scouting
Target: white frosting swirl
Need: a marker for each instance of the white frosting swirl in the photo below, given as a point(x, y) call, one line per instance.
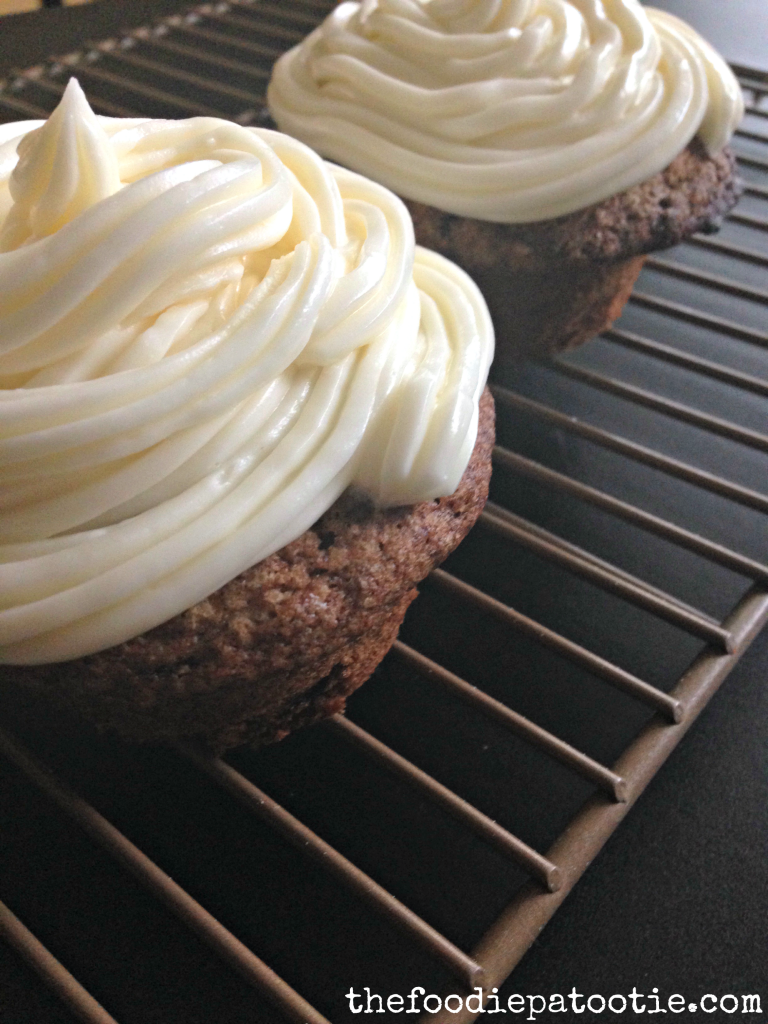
point(504, 110)
point(207, 334)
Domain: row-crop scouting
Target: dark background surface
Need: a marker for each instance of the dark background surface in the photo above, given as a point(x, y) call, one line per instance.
point(738, 28)
point(678, 899)
point(26, 39)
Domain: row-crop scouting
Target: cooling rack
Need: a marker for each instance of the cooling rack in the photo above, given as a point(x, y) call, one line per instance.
point(544, 675)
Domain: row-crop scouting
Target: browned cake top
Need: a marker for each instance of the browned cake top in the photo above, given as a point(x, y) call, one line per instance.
point(692, 194)
point(283, 642)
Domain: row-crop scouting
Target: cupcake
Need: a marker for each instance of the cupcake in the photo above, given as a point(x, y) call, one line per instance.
point(544, 145)
point(242, 416)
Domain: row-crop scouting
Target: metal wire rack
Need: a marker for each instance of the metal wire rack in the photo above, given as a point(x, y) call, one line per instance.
point(608, 616)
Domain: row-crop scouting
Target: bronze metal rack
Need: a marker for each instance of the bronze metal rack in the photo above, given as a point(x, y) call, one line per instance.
point(649, 440)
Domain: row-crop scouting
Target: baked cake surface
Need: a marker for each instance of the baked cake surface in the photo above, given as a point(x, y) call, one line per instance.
point(692, 194)
point(285, 642)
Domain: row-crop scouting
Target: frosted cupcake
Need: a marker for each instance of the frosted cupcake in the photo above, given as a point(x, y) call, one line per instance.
point(545, 145)
point(241, 416)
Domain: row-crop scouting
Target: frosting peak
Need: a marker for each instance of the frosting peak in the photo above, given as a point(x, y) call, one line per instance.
point(64, 167)
point(206, 334)
point(505, 110)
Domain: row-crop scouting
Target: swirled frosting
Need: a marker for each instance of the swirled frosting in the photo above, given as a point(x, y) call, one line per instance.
point(207, 334)
point(504, 110)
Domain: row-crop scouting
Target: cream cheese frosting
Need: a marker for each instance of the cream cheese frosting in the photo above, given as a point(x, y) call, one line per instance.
point(207, 334)
point(504, 110)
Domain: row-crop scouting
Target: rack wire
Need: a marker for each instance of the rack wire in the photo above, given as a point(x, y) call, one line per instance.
point(658, 423)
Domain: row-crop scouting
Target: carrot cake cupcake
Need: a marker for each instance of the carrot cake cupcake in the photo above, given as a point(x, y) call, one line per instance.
point(544, 145)
point(241, 416)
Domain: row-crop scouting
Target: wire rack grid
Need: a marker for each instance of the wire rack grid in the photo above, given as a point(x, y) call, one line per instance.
point(616, 576)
